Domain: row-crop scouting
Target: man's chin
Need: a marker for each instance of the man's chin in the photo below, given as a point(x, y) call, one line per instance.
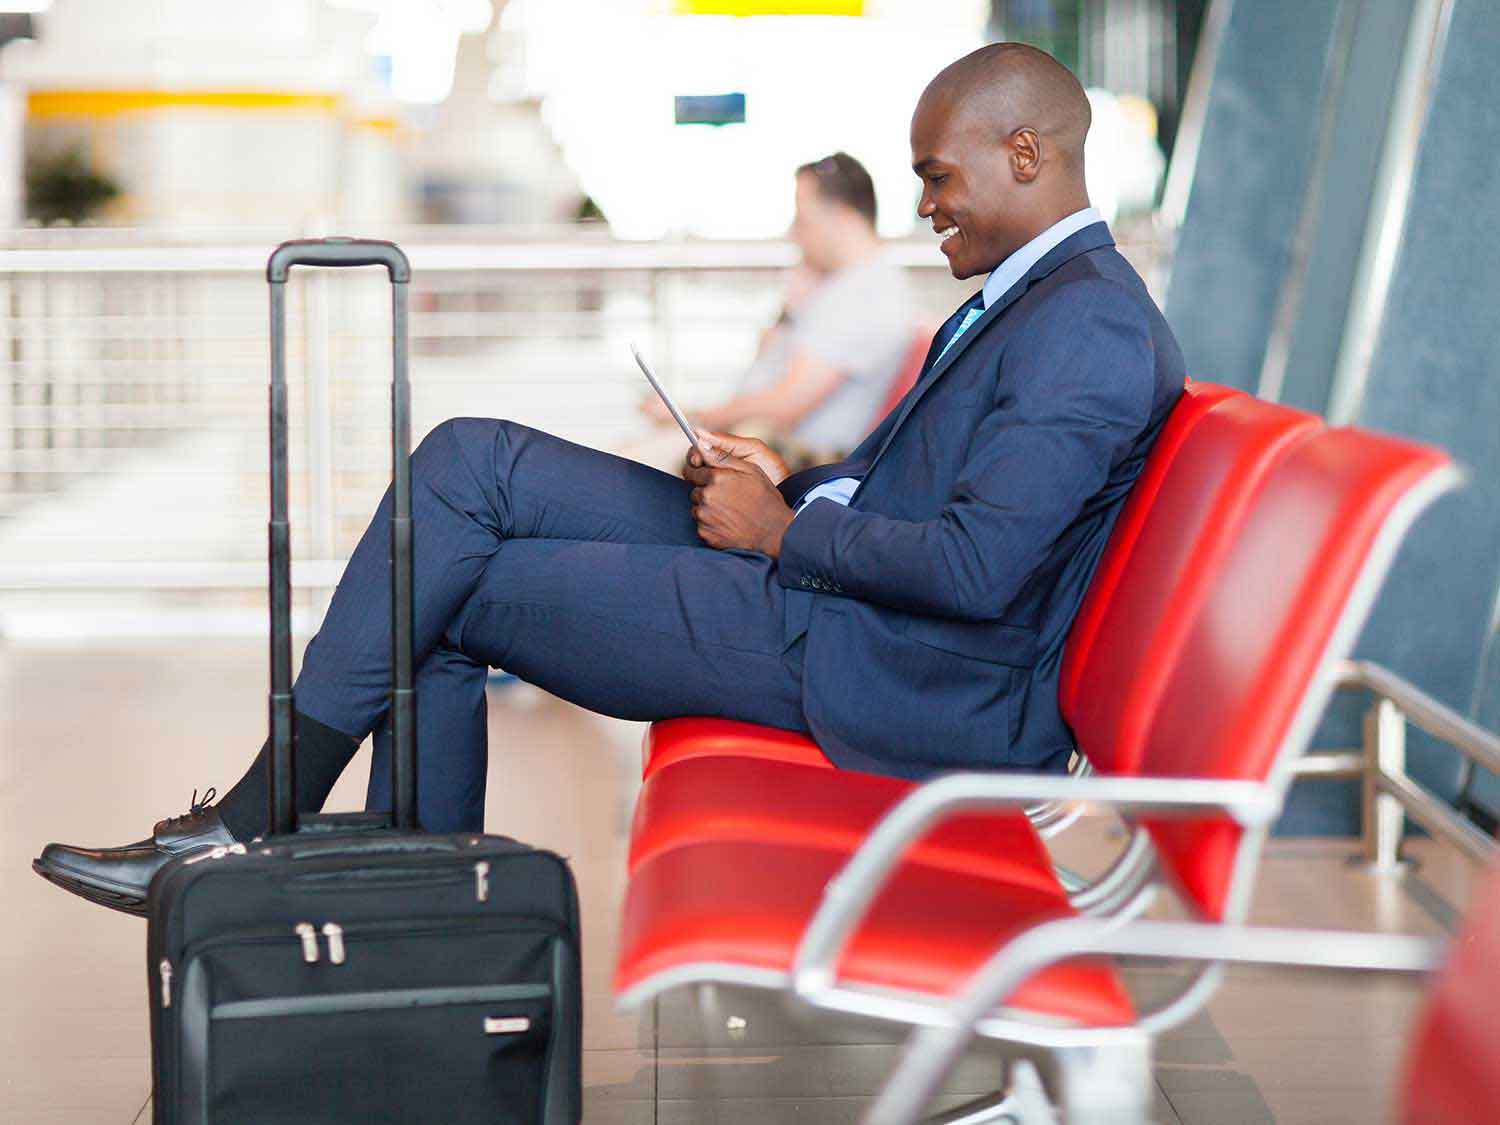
point(961, 269)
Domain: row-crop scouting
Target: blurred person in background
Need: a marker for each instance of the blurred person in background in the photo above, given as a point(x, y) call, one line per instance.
point(824, 369)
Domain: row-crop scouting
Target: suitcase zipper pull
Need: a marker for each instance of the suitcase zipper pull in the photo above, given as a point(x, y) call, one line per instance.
point(309, 938)
point(166, 982)
point(482, 881)
point(335, 935)
point(219, 851)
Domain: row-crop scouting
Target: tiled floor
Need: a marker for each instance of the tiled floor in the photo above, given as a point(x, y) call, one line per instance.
point(97, 741)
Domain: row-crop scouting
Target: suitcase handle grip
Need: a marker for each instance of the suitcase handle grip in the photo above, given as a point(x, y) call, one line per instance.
point(375, 846)
point(336, 252)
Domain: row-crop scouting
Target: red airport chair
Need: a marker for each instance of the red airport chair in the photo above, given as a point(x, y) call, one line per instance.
point(1453, 1069)
point(1277, 586)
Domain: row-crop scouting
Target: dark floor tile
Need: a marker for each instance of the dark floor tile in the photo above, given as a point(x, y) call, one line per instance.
point(1174, 1048)
point(1242, 1106)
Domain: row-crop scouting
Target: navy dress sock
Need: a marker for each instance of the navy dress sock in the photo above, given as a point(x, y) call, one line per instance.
point(322, 754)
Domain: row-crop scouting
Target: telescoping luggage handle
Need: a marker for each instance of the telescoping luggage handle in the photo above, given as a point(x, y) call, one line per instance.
point(342, 252)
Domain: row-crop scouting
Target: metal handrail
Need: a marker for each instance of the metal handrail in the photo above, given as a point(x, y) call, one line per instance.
point(1425, 712)
point(1390, 793)
point(528, 257)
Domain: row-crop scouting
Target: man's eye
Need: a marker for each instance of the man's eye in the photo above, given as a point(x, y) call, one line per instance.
point(938, 180)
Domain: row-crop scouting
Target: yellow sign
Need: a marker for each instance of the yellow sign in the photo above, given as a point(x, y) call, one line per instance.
point(106, 103)
point(769, 7)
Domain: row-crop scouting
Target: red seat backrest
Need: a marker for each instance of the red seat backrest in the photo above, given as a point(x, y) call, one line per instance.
point(1162, 555)
point(1453, 1067)
point(1295, 581)
point(906, 374)
point(1196, 401)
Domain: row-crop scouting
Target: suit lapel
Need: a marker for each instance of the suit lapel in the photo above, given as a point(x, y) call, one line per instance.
point(1089, 238)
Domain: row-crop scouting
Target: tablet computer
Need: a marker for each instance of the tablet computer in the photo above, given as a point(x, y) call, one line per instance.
point(672, 408)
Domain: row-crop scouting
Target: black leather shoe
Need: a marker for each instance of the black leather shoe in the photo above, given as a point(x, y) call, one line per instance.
point(118, 877)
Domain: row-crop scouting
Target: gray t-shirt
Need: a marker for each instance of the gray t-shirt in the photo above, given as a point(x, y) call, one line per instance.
point(859, 321)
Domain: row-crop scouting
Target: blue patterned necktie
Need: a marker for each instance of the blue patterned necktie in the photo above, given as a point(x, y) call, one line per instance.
point(963, 326)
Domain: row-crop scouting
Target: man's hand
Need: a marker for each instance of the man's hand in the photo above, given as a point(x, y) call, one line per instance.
point(736, 506)
point(757, 452)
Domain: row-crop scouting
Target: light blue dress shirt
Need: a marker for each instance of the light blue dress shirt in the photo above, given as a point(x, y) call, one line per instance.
point(841, 489)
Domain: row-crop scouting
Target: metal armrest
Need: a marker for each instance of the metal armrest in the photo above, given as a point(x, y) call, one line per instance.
point(932, 1050)
point(849, 894)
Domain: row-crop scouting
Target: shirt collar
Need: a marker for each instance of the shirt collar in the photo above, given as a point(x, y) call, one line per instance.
point(1010, 271)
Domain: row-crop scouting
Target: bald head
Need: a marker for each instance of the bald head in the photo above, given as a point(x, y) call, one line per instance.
point(997, 139)
point(1003, 87)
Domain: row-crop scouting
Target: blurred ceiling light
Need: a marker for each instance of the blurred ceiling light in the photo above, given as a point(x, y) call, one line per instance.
point(812, 84)
point(420, 37)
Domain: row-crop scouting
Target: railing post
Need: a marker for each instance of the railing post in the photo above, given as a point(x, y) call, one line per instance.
point(1385, 753)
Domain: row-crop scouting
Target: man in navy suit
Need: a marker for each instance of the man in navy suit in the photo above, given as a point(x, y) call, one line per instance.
point(907, 606)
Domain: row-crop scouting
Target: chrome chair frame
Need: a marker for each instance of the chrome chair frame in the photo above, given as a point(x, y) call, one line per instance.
point(1114, 1058)
point(933, 1049)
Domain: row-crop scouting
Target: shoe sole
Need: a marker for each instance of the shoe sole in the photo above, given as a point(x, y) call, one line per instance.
point(115, 898)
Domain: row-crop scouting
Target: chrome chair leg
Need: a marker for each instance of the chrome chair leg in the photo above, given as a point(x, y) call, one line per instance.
point(1107, 1084)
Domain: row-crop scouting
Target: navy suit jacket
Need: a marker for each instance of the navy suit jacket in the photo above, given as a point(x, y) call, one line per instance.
point(935, 606)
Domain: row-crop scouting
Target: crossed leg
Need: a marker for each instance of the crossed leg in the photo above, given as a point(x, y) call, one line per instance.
point(576, 569)
point(580, 572)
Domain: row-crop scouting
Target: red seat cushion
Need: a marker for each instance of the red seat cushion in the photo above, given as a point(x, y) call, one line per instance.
point(1453, 1070)
point(711, 911)
point(673, 740)
point(734, 798)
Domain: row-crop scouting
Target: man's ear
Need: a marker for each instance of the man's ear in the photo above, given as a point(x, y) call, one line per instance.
point(1025, 154)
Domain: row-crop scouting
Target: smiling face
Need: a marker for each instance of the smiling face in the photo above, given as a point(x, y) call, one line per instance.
point(974, 181)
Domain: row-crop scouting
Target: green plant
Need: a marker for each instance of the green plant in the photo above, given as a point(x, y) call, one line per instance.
point(61, 187)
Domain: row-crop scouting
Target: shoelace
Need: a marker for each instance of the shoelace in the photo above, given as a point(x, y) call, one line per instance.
point(195, 807)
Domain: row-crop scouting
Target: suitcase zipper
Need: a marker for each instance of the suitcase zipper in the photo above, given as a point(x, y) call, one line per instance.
point(482, 881)
point(166, 982)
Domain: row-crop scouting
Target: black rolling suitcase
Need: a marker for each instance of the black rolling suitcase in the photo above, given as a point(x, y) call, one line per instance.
point(350, 968)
